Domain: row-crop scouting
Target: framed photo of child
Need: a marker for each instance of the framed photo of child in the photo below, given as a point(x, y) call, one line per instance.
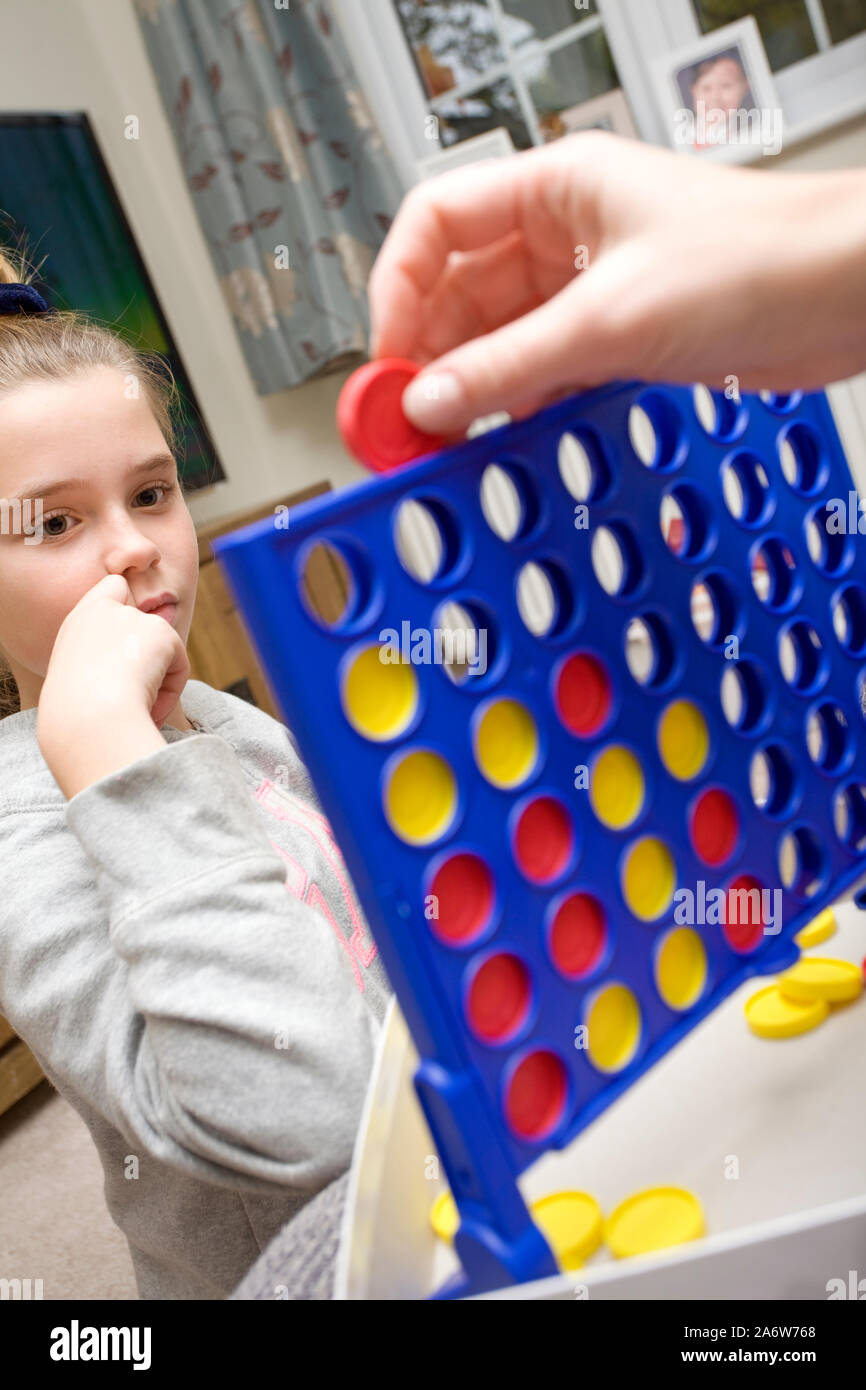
point(718, 96)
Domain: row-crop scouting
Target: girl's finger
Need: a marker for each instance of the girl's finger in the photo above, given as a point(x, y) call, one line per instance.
point(109, 586)
point(172, 685)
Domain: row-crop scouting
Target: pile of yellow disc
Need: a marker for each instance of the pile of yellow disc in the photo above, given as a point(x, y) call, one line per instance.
point(572, 1223)
point(574, 1227)
point(805, 995)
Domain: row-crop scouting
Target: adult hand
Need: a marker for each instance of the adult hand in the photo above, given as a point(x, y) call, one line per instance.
point(599, 258)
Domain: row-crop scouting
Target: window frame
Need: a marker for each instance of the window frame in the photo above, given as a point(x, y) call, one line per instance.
point(637, 31)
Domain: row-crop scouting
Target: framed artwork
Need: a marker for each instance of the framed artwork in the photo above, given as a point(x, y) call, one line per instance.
point(491, 144)
point(610, 111)
point(59, 205)
point(718, 96)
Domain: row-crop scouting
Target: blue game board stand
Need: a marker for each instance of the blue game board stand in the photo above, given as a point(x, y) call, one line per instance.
point(788, 467)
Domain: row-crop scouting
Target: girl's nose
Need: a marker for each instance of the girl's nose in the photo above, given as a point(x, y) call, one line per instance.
point(129, 546)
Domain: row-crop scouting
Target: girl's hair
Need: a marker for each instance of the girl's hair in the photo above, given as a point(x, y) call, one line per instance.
point(55, 347)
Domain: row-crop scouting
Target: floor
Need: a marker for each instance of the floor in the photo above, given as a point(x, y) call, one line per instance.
point(54, 1224)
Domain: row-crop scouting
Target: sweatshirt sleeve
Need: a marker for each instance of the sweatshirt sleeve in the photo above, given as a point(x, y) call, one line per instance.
point(236, 1045)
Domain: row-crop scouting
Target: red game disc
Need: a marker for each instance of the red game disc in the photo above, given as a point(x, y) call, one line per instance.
point(370, 416)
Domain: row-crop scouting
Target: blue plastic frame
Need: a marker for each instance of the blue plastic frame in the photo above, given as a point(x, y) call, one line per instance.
point(460, 1079)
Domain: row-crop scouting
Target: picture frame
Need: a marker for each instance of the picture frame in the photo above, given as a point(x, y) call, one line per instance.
point(718, 97)
point(491, 144)
point(57, 193)
point(609, 111)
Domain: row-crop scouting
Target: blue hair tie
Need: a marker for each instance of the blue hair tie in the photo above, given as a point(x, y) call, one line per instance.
point(22, 299)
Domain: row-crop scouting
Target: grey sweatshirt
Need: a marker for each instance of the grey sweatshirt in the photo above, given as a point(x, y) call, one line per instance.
point(182, 949)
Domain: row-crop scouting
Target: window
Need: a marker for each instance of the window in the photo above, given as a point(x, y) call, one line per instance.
point(536, 67)
point(439, 71)
point(790, 29)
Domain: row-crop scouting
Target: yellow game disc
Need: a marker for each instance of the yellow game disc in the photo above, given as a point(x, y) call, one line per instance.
point(652, 1220)
point(818, 977)
point(770, 1014)
point(683, 740)
point(444, 1217)
point(571, 1223)
point(421, 797)
point(817, 930)
point(379, 698)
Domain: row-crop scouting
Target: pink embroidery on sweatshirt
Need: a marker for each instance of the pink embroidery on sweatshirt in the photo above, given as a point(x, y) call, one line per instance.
point(296, 882)
point(316, 898)
point(296, 878)
point(291, 809)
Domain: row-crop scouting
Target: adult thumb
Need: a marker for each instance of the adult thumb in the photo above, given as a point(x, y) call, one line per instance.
point(528, 359)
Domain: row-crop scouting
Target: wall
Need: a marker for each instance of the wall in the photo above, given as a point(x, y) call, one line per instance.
point(91, 57)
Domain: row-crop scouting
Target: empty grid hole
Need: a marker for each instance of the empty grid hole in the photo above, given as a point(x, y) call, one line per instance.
point(830, 548)
point(802, 862)
point(686, 524)
point(772, 781)
point(746, 489)
point(335, 586)
point(508, 501)
point(426, 538)
point(544, 598)
point(616, 560)
point(801, 455)
point(773, 571)
point(714, 609)
point(849, 619)
point(849, 816)
point(582, 466)
point(801, 656)
point(743, 696)
point(466, 641)
point(655, 431)
point(828, 738)
point(649, 650)
point(719, 415)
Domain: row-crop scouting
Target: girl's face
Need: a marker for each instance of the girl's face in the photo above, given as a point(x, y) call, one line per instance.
point(119, 512)
point(722, 87)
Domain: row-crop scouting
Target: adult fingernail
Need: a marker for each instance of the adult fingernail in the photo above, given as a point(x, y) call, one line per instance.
point(433, 399)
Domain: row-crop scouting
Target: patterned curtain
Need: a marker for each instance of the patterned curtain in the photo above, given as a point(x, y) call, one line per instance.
point(292, 183)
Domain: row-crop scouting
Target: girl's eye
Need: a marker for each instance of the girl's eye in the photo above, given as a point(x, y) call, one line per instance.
point(59, 515)
point(156, 487)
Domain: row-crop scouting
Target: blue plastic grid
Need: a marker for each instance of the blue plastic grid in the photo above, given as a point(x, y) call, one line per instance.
point(461, 1081)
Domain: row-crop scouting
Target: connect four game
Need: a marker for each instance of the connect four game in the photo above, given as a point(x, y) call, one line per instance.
point(593, 746)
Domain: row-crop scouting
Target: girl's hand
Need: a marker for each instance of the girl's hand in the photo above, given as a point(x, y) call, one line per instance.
point(112, 667)
point(598, 258)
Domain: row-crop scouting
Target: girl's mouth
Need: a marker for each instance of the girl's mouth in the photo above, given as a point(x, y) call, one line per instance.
point(167, 611)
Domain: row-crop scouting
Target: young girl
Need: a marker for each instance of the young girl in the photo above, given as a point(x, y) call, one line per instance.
point(180, 943)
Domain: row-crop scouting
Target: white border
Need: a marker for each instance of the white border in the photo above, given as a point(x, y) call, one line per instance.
point(745, 36)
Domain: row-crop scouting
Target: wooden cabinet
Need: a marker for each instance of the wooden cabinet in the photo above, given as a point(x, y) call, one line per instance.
point(220, 652)
point(19, 1069)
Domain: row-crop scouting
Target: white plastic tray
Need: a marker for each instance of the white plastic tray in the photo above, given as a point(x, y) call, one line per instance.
point(787, 1115)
